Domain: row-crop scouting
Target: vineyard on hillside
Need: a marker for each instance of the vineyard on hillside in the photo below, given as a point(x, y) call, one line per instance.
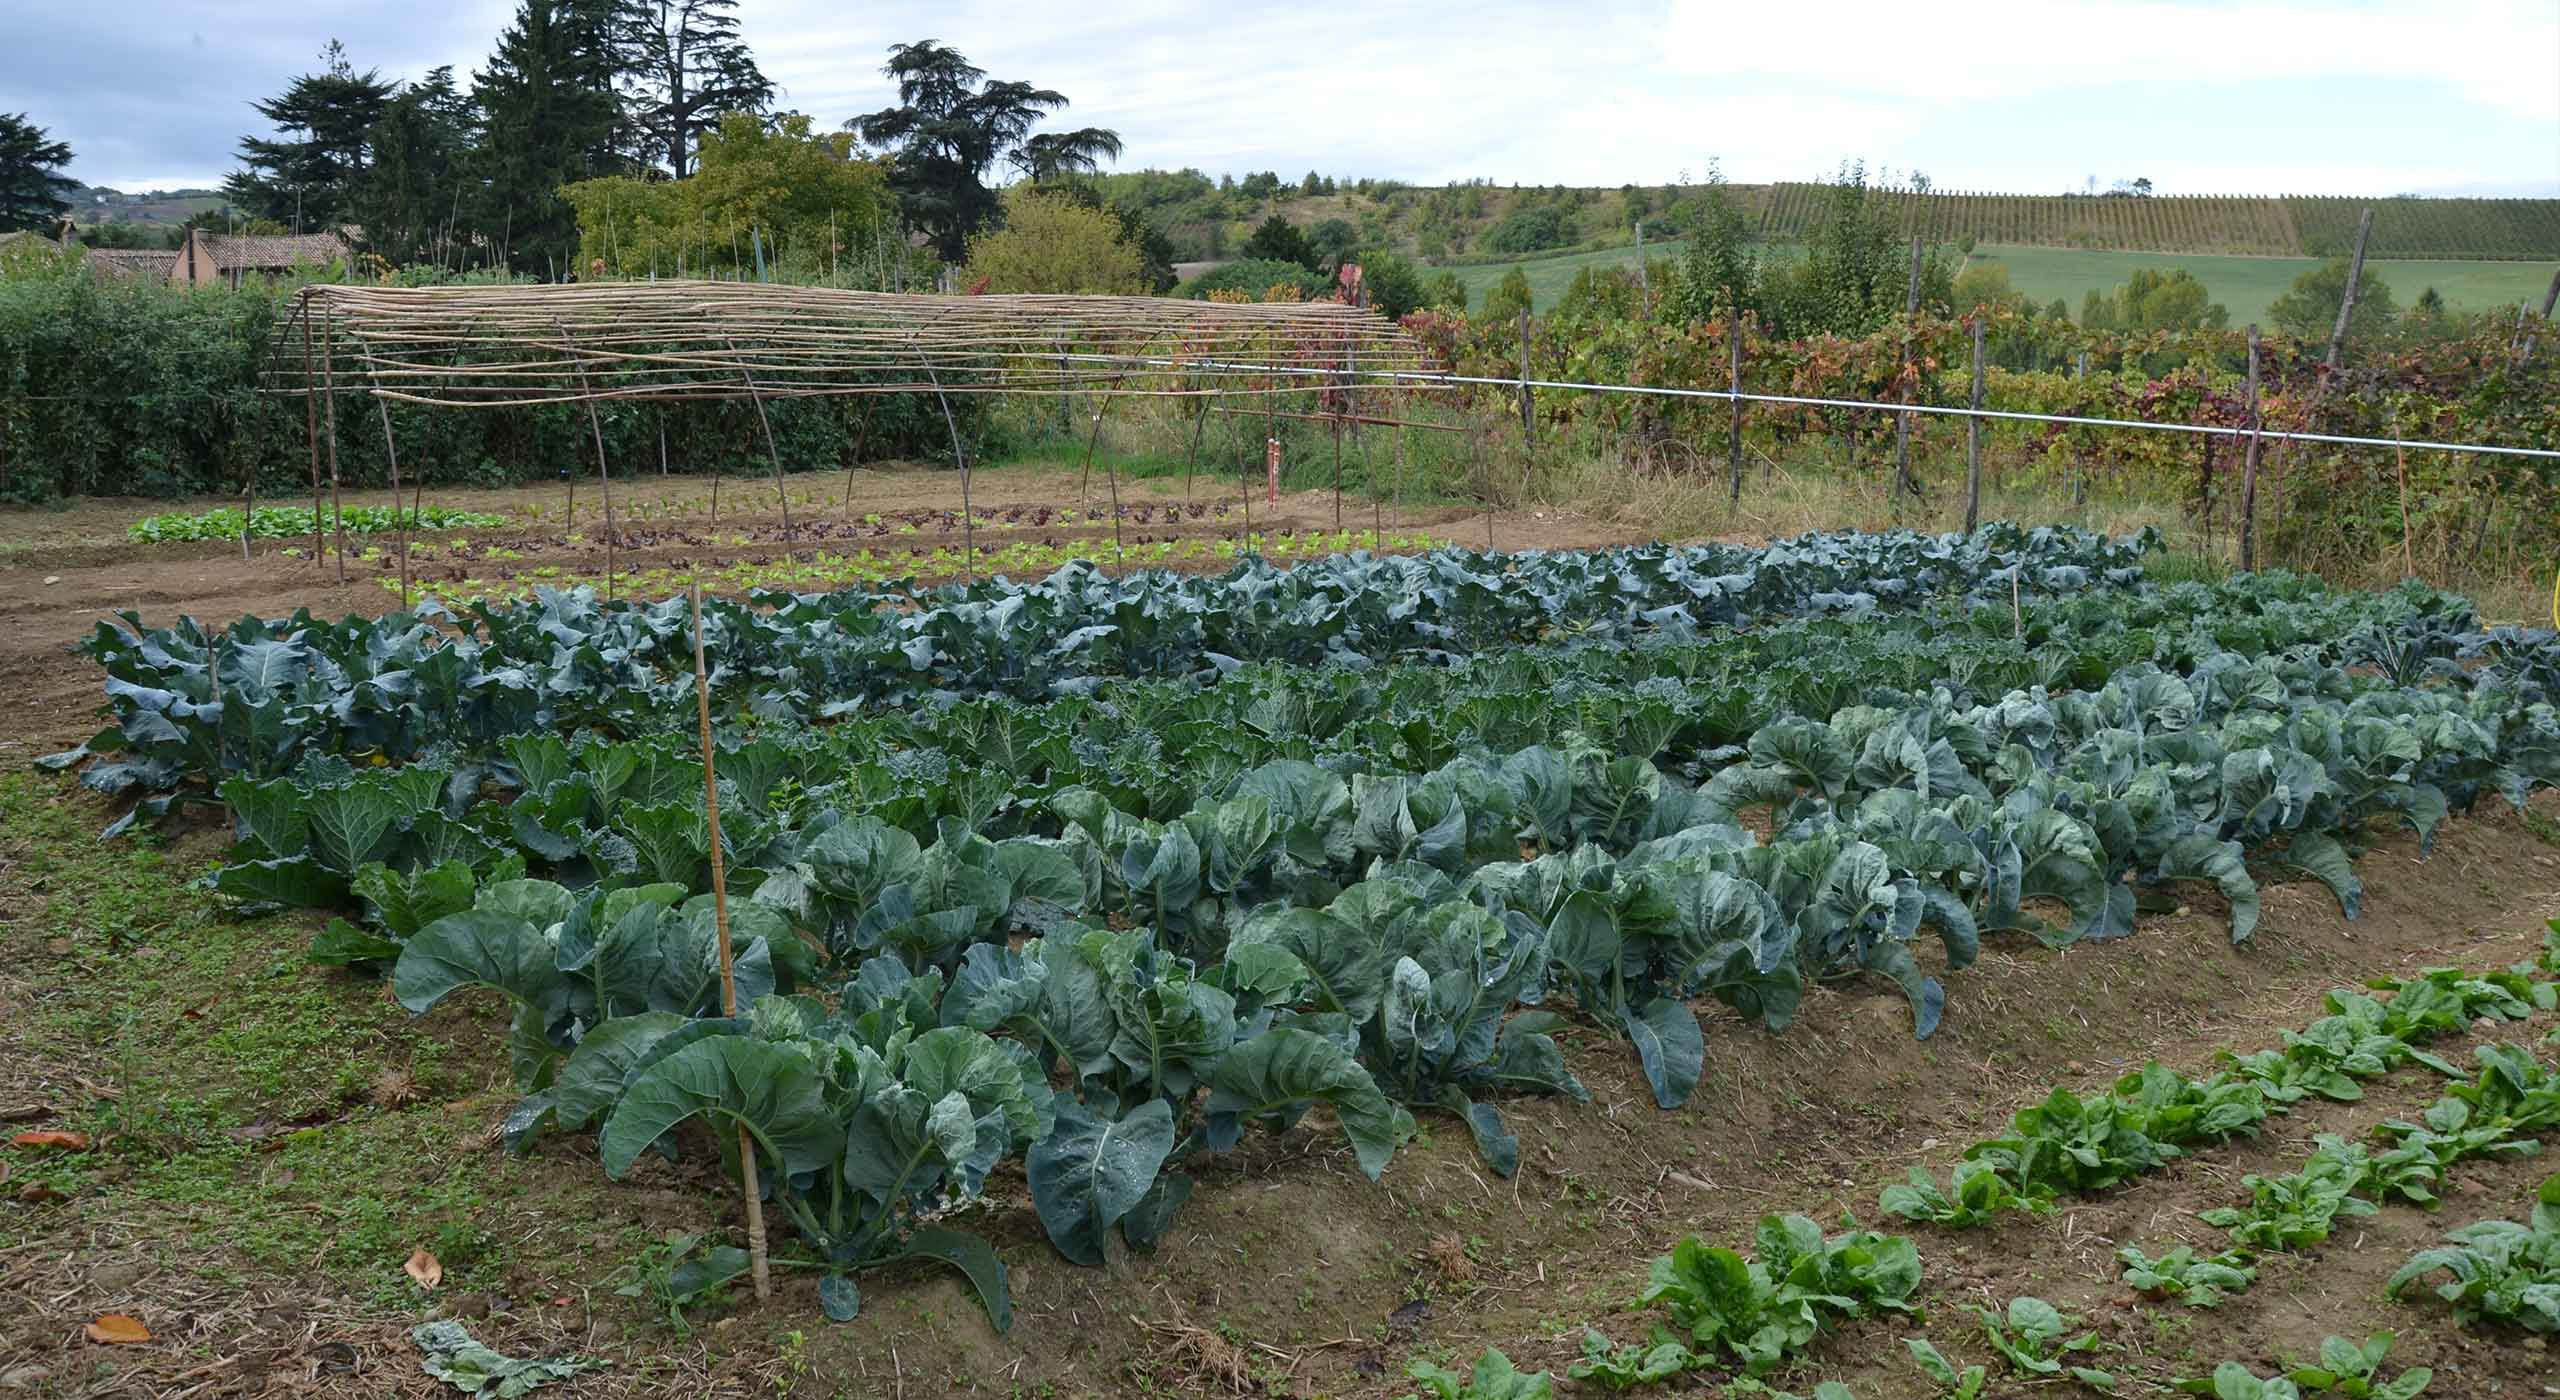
point(2280, 226)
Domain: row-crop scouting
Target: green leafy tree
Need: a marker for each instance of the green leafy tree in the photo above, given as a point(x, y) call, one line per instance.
point(1509, 297)
point(806, 194)
point(2152, 300)
point(683, 68)
point(306, 177)
point(952, 125)
point(32, 185)
point(1392, 282)
point(1278, 240)
point(1987, 286)
point(1333, 240)
point(549, 118)
point(1717, 269)
point(1529, 231)
point(1259, 185)
point(1313, 184)
point(1053, 244)
point(1155, 250)
point(1253, 278)
point(1445, 291)
point(409, 200)
point(2309, 310)
point(1855, 275)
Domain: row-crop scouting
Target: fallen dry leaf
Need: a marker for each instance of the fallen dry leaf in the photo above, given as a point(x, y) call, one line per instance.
point(425, 1268)
point(36, 1193)
point(68, 1142)
point(115, 1328)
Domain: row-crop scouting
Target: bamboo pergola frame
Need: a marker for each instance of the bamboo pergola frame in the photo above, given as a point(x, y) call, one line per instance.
point(519, 346)
point(666, 342)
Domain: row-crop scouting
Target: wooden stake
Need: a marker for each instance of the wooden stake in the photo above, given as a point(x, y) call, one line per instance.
point(2550, 298)
point(604, 475)
point(2347, 303)
point(311, 428)
point(1192, 462)
point(1110, 470)
point(771, 449)
point(329, 409)
point(391, 451)
point(2249, 466)
point(1733, 365)
point(1902, 485)
point(968, 517)
point(1528, 405)
point(1973, 441)
point(2408, 552)
point(751, 1179)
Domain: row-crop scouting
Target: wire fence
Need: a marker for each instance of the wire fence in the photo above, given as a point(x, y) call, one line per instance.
point(1391, 378)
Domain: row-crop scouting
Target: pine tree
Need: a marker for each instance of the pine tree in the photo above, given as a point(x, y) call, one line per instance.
point(952, 125)
point(31, 183)
point(549, 116)
point(307, 179)
point(684, 67)
point(410, 200)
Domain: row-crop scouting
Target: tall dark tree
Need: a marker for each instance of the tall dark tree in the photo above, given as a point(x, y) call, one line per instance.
point(684, 67)
point(410, 203)
point(32, 185)
point(306, 178)
point(951, 126)
point(549, 116)
point(1278, 240)
point(1055, 155)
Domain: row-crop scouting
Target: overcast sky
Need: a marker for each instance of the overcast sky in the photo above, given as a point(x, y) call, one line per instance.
point(2035, 96)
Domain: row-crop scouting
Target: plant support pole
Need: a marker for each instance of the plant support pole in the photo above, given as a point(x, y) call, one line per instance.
point(604, 475)
point(2249, 466)
point(2347, 303)
point(311, 427)
point(747, 1174)
point(391, 452)
point(1973, 442)
point(1528, 406)
point(1733, 366)
point(771, 450)
point(968, 517)
point(329, 408)
point(1902, 484)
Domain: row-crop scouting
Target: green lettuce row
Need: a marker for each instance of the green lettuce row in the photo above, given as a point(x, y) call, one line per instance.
point(192, 706)
point(291, 522)
point(2072, 1143)
point(2500, 1271)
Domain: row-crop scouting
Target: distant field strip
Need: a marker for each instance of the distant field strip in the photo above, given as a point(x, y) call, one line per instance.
point(2247, 285)
point(2268, 225)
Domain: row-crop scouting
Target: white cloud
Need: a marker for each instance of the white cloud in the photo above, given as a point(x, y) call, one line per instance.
point(2365, 96)
point(2501, 54)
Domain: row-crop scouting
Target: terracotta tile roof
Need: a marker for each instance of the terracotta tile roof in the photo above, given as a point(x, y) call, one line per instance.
point(265, 252)
point(154, 265)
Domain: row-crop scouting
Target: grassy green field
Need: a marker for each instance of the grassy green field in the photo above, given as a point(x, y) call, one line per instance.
point(2249, 285)
point(2246, 285)
point(1548, 277)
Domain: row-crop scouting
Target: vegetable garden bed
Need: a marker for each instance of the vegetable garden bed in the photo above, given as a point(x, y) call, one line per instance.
point(1089, 879)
